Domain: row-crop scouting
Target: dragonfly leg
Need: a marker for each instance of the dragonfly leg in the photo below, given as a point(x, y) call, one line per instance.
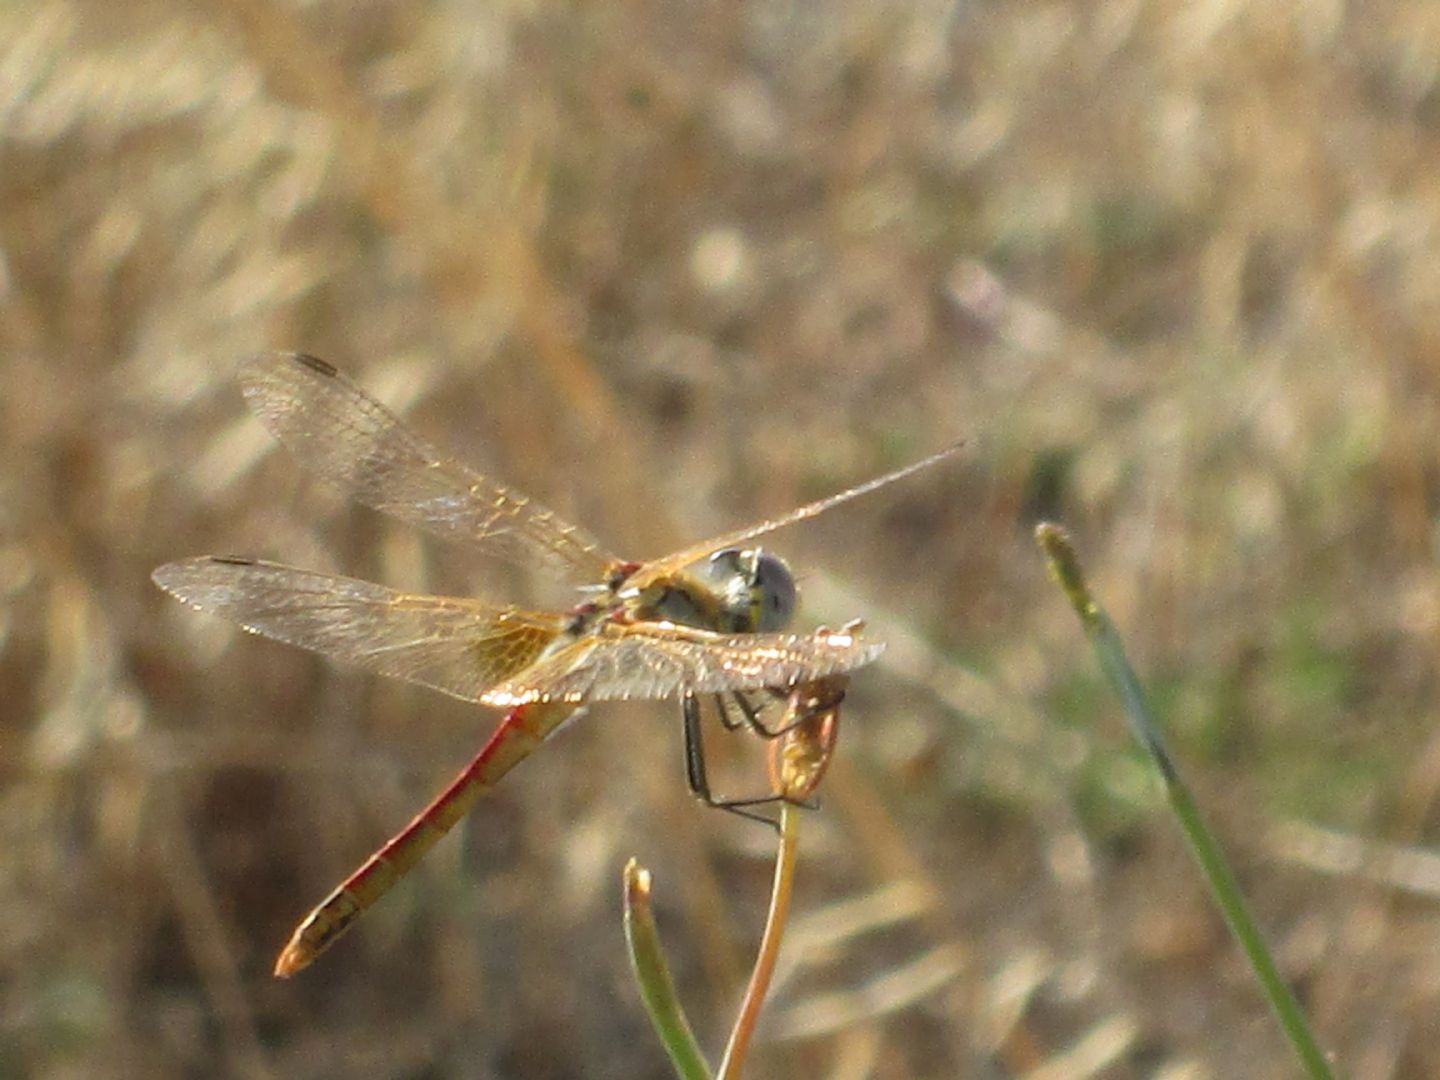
point(752, 715)
point(728, 722)
point(757, 725)
point(698, 779)
point(749, 715)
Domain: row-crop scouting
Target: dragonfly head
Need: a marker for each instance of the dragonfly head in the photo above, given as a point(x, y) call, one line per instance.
point(758, 587)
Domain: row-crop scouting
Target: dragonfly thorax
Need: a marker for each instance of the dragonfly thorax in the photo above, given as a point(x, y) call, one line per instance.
point(733, 591)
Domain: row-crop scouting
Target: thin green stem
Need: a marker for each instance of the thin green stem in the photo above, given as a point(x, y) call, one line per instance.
point(657, 988)
point(1065, 568)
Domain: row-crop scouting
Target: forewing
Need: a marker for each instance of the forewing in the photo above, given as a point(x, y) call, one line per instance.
point(350, 439)
point(662, 567)
point(660, 660)
point(458, 646)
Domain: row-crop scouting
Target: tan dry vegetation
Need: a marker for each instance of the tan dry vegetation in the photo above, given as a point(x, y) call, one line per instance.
point(670, 267)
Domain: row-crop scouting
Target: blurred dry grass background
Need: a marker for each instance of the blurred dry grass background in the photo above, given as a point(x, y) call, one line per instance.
point(670, 267)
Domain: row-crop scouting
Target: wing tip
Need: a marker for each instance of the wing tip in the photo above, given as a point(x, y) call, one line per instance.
point(193, 582)
point(314, 363)
point(170, 569)
point(167, 575)
point(228, 560)
point(256, 369)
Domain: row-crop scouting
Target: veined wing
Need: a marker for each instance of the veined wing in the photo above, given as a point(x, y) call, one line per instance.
point(659, 660)
point(350, 439)
point(658, 568)
point(458, 646)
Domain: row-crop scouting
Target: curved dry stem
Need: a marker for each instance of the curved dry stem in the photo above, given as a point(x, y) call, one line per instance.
point(739, 1045)
point(798, 759)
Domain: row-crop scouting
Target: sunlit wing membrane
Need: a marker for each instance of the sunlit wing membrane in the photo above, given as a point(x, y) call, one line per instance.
point(668, 564)
point(350, 439)
point(458, 646)
point(659, 660)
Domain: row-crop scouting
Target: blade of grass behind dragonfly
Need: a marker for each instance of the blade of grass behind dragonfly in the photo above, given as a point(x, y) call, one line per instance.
point(1065, 568)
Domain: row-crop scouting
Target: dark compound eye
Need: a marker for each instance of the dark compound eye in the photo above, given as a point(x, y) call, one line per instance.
point(759, 586)
point(777, 591)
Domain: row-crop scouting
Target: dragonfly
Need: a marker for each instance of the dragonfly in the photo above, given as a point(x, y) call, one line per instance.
point(709, 621)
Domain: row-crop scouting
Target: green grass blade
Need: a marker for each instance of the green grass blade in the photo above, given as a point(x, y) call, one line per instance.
point(657, 988)
point(1065, 568)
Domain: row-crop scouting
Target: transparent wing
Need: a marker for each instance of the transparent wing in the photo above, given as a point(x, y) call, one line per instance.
point(460, 647)
point(349, 438)
point(668, 564)
point(660, 660)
